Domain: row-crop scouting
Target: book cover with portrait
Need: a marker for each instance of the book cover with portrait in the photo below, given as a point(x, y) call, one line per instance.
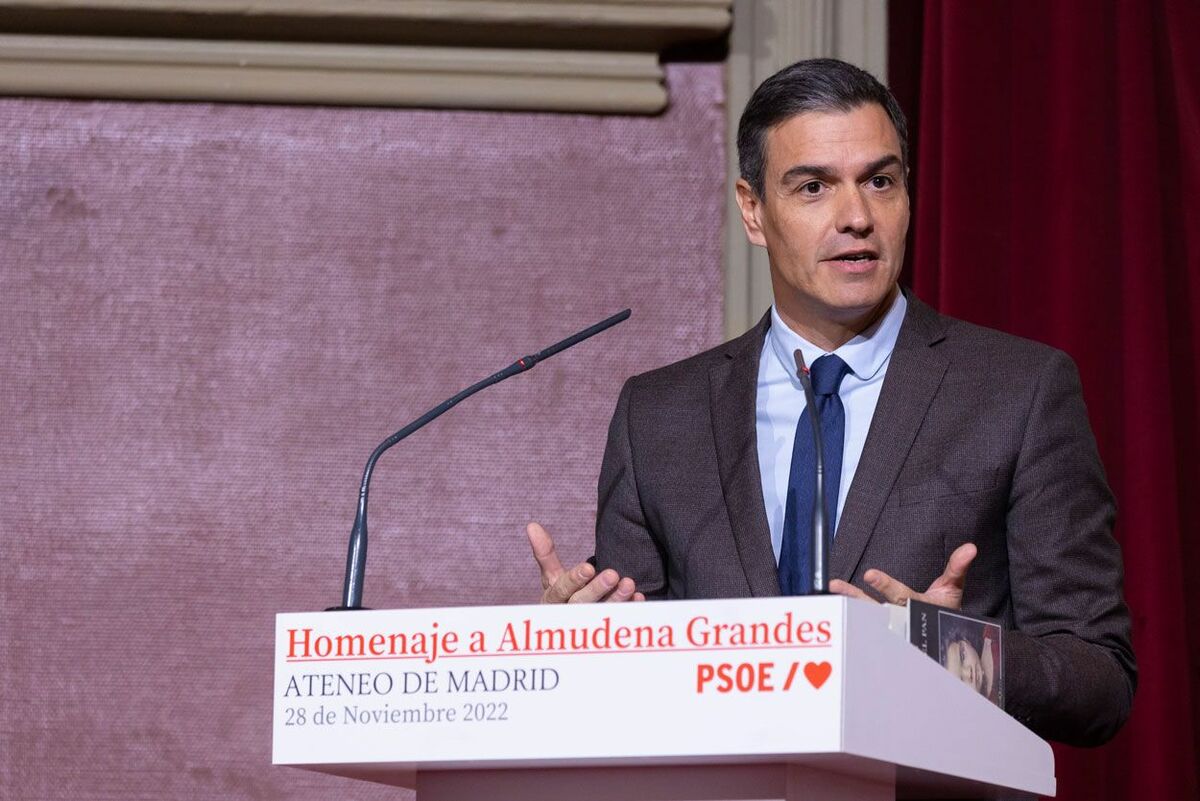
point(969, 647)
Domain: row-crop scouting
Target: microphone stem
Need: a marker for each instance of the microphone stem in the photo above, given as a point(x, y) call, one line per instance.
point(356, 558)
point(819, 541)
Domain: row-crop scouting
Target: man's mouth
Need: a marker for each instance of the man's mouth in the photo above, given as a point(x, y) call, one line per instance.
point(856, 255)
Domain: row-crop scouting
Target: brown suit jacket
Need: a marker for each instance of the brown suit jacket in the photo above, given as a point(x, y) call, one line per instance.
point(978, 436)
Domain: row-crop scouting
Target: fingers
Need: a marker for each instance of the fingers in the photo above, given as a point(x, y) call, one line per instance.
point(544, 554)
point(946, 590)
point(599, 588)
point(839, 587)
point(580, 584)
point(893, 591)
point(956, 567)
point(623, 591)
point(568, 584)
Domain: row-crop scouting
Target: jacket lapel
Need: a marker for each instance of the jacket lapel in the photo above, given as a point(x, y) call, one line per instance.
point(914, 374)
point(733, 386)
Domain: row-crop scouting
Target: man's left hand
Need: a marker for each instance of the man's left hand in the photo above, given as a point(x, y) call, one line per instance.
point(946, 590)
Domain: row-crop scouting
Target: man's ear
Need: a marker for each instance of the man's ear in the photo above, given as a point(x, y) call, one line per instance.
point(751, 207)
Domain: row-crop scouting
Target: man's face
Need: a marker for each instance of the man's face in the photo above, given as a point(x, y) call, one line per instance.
point(963, 661)
point(833, 215)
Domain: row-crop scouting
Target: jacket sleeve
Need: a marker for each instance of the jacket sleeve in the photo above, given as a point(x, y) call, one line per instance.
point(1069, 665)
point(623, 540)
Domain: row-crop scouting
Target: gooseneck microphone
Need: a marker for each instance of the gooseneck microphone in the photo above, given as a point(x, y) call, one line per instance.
point(356, 560)
point(819, 542)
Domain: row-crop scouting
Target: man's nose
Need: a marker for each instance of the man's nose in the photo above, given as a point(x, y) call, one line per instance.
point(854, 215)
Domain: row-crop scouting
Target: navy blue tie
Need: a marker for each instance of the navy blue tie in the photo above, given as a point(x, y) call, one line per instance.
point(795, 572)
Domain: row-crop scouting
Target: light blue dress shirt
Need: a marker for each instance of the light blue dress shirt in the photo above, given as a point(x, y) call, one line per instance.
point(780, 402)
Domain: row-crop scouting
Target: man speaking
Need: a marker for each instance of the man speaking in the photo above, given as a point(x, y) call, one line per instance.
point(959, 460)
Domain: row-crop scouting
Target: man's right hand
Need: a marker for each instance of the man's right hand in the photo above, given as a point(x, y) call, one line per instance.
point(580, 584)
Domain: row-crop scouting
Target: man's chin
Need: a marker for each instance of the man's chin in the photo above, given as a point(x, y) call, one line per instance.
point(852, 306)
point(847, 306)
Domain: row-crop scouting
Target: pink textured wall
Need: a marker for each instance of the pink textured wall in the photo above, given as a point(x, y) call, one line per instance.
point(211, 314)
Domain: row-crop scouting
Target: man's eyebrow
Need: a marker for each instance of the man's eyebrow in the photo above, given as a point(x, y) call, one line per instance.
point(825, 173)
point(879, 164)
point(807, 170)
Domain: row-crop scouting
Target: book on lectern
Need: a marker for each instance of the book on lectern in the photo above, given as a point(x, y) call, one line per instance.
point(968, 646)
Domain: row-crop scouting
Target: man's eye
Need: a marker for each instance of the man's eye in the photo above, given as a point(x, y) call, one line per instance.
point(811, 188)
point(881, 181)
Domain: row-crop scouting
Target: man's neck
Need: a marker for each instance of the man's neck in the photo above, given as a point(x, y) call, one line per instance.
point(830, 334)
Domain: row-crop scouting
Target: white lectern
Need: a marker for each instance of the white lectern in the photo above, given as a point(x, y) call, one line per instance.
point(797, 698)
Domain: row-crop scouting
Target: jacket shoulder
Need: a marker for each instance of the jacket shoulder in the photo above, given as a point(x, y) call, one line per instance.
point(970, 343)
point(694, 370)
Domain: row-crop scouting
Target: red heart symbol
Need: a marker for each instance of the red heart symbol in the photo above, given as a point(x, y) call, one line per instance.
point(817, 673)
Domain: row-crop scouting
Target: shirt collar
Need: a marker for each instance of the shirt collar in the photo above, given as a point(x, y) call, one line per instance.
point(865, 353)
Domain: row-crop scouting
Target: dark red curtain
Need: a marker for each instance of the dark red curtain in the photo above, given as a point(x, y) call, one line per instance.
point(1057, 197)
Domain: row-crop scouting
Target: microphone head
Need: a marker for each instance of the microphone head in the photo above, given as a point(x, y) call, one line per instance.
point(802, 369)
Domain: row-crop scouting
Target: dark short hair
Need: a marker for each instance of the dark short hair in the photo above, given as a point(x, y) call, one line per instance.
point(816, 84)
point(954, 629)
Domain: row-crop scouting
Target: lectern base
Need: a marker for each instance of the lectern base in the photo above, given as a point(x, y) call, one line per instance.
point(668, 783)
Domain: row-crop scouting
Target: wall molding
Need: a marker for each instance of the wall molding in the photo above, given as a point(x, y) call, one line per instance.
point(599, 56)
point(376, 75)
